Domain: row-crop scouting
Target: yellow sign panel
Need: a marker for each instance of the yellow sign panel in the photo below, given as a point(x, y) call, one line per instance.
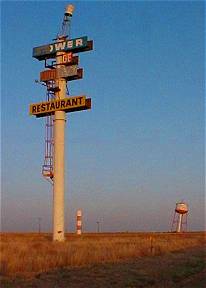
point(67, 104)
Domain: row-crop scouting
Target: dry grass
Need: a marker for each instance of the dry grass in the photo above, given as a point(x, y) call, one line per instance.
point(29, 254)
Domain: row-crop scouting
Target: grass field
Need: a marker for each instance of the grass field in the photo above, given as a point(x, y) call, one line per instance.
point(32, 256)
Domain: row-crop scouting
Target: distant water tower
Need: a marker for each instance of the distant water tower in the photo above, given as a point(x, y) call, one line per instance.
point(180, 217)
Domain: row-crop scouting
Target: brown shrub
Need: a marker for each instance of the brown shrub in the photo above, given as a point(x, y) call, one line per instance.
point(33, 253)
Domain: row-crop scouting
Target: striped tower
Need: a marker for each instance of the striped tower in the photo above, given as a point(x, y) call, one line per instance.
point(79, 222)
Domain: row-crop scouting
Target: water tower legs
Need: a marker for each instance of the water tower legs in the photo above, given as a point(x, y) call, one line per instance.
point(179, 223)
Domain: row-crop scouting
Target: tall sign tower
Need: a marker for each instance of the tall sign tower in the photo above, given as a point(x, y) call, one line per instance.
point(61, 60)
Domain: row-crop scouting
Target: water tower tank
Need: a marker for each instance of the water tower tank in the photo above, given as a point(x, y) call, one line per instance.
point(181, 208)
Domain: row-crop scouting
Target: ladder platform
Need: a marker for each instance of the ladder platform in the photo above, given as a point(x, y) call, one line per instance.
point(48, 174)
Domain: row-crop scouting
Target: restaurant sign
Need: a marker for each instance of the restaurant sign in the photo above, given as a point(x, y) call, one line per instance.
point(69, 104)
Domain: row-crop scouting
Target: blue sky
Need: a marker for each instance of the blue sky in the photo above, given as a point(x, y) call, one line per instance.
point(141, 147)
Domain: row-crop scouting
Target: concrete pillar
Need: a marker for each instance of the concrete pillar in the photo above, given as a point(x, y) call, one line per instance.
point(58, 189)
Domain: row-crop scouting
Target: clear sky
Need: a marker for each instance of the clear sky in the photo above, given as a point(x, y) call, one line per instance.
point(141, 147)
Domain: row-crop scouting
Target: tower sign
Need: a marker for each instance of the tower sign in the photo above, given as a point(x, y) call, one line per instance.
point(62, 72)
point(58, 102)
point(76, 45)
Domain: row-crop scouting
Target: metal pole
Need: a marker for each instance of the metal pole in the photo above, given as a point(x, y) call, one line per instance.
point(97, 226)
point(39, 224)
point(58, 192)
point(173, 222)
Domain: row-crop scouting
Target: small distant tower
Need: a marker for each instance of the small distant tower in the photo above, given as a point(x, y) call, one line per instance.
point(79, 222)
point(179, 222)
